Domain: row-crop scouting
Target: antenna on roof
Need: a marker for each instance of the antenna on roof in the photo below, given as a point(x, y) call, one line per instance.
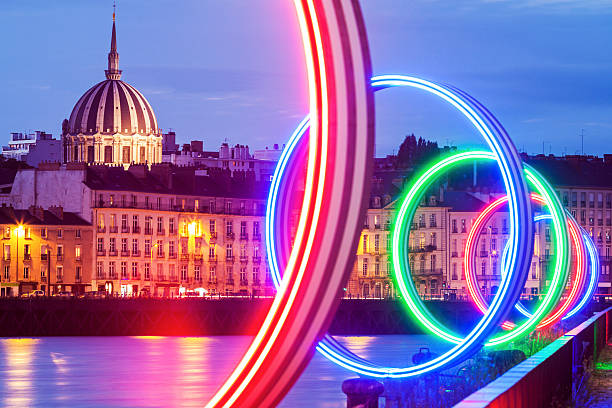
point(582, 141)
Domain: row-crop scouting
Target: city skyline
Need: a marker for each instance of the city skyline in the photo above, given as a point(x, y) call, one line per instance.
point(543, 68)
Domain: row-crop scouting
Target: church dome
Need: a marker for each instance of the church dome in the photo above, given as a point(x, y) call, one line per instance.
point(113, 106)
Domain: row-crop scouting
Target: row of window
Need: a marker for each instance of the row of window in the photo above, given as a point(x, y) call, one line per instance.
point(44, 232)
point(45, 252)
point(158, 247)
point(28, 275)
point(165, 272)
point(594, 200)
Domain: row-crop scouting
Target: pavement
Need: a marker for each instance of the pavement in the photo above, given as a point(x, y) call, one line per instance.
point(600, 383)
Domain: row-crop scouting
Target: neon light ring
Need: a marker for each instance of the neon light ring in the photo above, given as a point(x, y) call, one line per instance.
point(470, 253)
point(594, 275)
point(401, 265)
point(521, 229)
point(336, 192)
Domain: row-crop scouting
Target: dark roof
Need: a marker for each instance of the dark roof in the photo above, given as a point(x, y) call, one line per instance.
point(462, 201)
point(169, 179)
point(9, 215)
point(577, 171)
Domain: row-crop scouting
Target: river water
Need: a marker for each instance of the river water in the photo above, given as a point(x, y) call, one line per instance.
point(165, 371)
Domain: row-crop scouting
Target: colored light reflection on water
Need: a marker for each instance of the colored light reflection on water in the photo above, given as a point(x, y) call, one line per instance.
point(165, 371)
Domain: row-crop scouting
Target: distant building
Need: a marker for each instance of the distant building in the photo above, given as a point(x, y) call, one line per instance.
point(33, 148)
point(272, 154)
point(48, 250)
point(169, 145)
point(236, 159)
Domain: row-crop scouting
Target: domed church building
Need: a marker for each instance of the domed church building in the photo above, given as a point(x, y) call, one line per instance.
point(112, 123)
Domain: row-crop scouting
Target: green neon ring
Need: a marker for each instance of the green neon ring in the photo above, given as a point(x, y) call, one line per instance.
point(401, 232)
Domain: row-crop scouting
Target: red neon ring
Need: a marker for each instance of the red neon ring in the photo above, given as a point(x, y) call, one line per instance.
point(470, 275)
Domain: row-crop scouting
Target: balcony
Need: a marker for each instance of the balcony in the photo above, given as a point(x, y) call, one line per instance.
point(198, 258)
point(591, 204)
point(426, 248)
point(505, 230)
point(27, 257)
point(148, 231)
point(256, 237)
point(376, 226)
point(197, 279)
point(101, 229)
point(185, 257)
point(433, 225)
point(172, 231)
point(112, 252)
point(244, 237)
point(136, 229)
point(244, 282)
point(229, 258)
point(125, 253)
point(172, 255)
point(59, 279)
point(112, 275)
point(60, 257)
point(125, 230)
point(135, 276)
point(212, 237)
point(494, 230)
point(124, 276)
point(43, 279)
point(136, 254)
point(583, 203)
point(244, 259)
point(212, 258)
point(44, 257)
point(161, 231)
point(257, 259)
point(161, 255)
point(437, 271)
point(484, 254)
point(212, 281)
point(113, 230)
point(454, 254)
point(229, 282)
point(422, 224)
point(147, 277)
point(160, 277)
point(256, 282)
point(229, 236)
point(173, 278)
point(78, 258)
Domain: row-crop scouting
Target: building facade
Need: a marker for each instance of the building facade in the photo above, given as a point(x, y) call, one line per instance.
point(49, 250)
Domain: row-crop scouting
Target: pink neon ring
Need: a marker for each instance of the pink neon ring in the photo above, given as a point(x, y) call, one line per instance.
point(470, 276)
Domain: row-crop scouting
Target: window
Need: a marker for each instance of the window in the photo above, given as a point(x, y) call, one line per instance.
point(454, 272)
point(135, 227)
point(377, 269)
point(43, 272)
point(365, 244)
point(228, 207)
point(111, 270)
point(134, 270)
point(197, 205)
point(197, 272)
point(432, 221)
point(59, 273)
point(7, 252)
point(493, 267)
point(364, 267)
point(376, 242)
point(112, 245)
point(432, 263)
point(256, 275)
point(171, 225)
point(124, 222)
point(77, 233)
point(160, 248)
point(171, 250)
point(60, 252)
point(229, 227)
point(160, 225)
point(147, 247)
point(77, 252)
point(26, 272)
point(243, 276)
point(124, 245)
point(60, 233)
point(433, 240)
point(147, 271)
point(43, 232)
point(229, 252)
point(100, 269)
point(211, 205)
point(212, 274)
point(255, 228)
point(243, 228)
point(534, 274)
point(211, 226)
point(101, 222)
point(148, 226)
point(483, 268)
point(454, 226)
point(124, 273)
point(183, 272)
point(7, 273)
point(134, 246)
point(211, 251)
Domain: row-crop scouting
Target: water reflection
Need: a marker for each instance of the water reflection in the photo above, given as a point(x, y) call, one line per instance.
point(164, 371)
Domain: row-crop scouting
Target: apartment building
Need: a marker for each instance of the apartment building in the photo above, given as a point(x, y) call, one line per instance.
point(48, 250)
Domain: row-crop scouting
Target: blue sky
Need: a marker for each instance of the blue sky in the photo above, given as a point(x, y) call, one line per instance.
point(233, 69)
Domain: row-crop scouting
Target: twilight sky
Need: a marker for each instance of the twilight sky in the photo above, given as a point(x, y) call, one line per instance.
point(233, 70)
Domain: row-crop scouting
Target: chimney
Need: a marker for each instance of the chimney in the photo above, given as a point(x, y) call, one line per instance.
point(37, 212)
point(58, 211)
point(138, 170)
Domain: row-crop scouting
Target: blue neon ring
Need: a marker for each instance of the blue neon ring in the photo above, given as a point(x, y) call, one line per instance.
point(520, 210)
